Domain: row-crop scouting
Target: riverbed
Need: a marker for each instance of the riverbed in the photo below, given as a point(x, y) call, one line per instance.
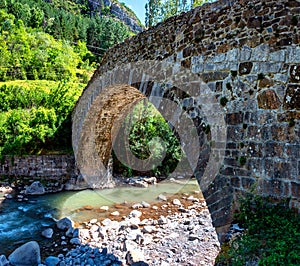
point(23, 221)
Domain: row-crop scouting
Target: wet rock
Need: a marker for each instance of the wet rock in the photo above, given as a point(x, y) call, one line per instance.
point(47, 233)
point(69, 232)
point(76, 232)
point(8, 196)
point(104, 208)
point(162, 197)
point(64, 224)
point(75, 241)
point(142, 184)
point(3, 261)
point(36, 188)
point(26, 255)
point(151, 180)
point(52, 261)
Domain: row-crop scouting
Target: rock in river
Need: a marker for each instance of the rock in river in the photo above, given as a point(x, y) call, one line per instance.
point(26, 255)
point(64, 224)
point(36, 188)
point(47, 233)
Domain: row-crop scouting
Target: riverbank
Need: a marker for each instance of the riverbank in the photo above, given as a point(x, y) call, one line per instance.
point(175, 230)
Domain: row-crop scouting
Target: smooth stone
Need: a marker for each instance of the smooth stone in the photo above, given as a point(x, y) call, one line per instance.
point(137, 206)
point(177, 202)
point(93, 221)
point(145, 204)
point(3, 261)
point(106, 222)
point(75, 241)
point(193, 199)
point(104, 208)
point(135, 214)
point(162, 220)
point(47, 233)
point(148, 229)
point(162, 197)
point(94, 228)
point(115, 213)
point(26, 255)
point(64, 223)
point(51, 261)
point(134, 256)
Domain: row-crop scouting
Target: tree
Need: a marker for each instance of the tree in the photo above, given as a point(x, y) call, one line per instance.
point(157, 10)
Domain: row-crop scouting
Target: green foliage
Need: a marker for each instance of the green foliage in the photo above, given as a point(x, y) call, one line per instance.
point(223, 101)
point(31, 54)
point(243, 160)
point(71, 21)
point(272, 236)
point(159, 10)
point(33, 120)
point(146, 137)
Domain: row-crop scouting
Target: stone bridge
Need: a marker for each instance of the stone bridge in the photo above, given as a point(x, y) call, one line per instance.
point(226, 76)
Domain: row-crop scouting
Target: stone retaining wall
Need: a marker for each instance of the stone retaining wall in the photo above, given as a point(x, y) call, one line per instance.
point(45, 166)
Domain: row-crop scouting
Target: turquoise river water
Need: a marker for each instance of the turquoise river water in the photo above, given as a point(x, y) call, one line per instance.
point(24, 221)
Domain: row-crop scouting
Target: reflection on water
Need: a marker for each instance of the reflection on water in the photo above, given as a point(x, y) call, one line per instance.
point(24, 221)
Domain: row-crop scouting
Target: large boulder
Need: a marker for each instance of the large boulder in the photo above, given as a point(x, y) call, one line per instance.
point(26, 255)
point(36, 188)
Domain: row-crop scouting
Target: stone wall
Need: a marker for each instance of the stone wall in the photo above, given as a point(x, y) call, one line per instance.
point(247, 53)
point(46, 167)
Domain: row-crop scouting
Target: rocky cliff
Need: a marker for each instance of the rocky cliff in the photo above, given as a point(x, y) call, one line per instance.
point(118, 10)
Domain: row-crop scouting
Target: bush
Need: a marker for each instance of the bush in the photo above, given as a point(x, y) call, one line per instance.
point(143, 138)
point(272, 236)
point(33, 120)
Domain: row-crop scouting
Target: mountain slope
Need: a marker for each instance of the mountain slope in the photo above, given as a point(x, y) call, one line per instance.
point(119, 11)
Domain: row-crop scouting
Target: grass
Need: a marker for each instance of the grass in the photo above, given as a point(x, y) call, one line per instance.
point(272, 235)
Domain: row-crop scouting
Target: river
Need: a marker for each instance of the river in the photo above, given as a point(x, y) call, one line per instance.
point(24, 221)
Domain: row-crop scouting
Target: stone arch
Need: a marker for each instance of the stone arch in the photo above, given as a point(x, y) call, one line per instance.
point(242, 69)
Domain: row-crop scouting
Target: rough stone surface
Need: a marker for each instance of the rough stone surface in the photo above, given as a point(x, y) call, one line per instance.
point(47, 167)
point(36, 188)
point(26, 255)
point(255, 81)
